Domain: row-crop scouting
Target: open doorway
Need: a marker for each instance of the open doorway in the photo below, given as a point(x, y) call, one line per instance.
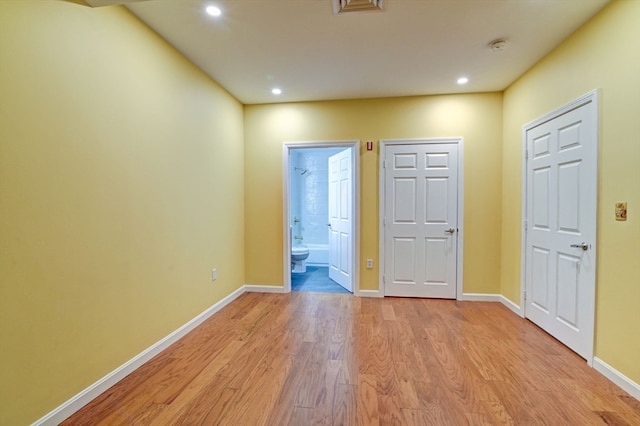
point(320, 216)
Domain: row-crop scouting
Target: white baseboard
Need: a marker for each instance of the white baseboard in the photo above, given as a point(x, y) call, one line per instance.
point(368, 293)
point(625, 383)
point(262, 288)
point(480, 297)
point(74, 404)
point(599, 365)
point(509, 304)
point(484, 297)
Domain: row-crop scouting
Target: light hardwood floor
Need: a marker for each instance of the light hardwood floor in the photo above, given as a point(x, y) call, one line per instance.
point(333, 359)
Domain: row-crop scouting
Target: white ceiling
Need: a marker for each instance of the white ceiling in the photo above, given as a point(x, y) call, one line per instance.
point(412, 47)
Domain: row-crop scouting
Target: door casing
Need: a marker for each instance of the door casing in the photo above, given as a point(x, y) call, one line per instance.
point(593, 97)
point(460, 214)
point(286, 219)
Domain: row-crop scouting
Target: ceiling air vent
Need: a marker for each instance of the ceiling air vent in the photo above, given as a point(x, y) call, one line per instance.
point(341, 6)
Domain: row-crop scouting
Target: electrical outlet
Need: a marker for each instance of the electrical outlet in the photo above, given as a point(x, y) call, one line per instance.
point(369, 263)
point(214, 274)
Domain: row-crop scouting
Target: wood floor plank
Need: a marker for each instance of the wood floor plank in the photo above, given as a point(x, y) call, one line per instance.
point(305, 359)
point(350, 364)
point(406, 389)
point(313, 377)
point(183, 401)
point(253, 403)
point(209, 402)
point(390, 411)
point(283, 410)
point(387, 312)
point(497, 413)
point(219, 405)
point(301, 416)
point(325, 392)
point(344, 412)
point(367, 401)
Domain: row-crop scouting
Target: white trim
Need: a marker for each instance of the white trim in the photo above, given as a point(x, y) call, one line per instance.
point(78, 401)
point(251, 288)
point(381, 207)
point(484, 297)
point(369, 293)
point(479, 297)
point(460, 233)
point(68, 408)
point(619, 379)
point(286, 220)
point(590, 97)
point(523, 228)
point(460, 216)
point(512, 306)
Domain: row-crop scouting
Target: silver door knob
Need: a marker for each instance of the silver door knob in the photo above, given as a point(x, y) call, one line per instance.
point(449, 231)
point(583, 246)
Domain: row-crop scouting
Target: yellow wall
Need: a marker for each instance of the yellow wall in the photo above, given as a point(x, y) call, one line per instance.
point(604, 54)
point(121, 185)
point(113, 148)
point(476, 117)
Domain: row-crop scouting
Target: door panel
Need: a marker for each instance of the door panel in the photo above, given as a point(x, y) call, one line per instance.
point(421, 190)
point(436, 256)
point(540, 190)
point(404, 257)
point(540, 268)
point(404, 200)
point(568, 292)
point(341, 219)
point(436, 201)
point(561, 182)
point(569, 197)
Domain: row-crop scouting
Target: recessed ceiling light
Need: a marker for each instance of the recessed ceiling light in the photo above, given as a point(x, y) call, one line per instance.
point(213, 11)
point(276, 91)
point(463, 80)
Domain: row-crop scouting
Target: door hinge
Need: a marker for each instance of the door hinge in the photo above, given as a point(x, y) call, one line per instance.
point(384, 164)
point(384, 279)
point(526, 154)
point(526, 225)
point(384, 221)
point(525, 296)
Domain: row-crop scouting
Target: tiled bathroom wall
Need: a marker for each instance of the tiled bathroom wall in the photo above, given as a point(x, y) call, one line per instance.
point(310, 193)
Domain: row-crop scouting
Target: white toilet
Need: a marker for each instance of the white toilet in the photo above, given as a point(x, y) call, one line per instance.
point(299, 255)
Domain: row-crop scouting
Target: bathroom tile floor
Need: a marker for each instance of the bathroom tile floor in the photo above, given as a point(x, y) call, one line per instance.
point(316, 279)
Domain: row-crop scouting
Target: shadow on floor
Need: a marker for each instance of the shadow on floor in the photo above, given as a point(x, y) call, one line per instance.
point(316, 279)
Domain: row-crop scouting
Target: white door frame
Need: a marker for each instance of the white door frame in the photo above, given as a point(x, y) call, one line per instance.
point(286, 219)
point(460, 214)
point(592, 96)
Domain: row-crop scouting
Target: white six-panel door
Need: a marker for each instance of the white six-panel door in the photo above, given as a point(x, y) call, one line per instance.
point(340, 219)
point(420, 220)
point(561, 185)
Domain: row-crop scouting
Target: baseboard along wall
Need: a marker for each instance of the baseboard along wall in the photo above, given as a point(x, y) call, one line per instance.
point(622, 381)
point(74, 404)
point(251, 288)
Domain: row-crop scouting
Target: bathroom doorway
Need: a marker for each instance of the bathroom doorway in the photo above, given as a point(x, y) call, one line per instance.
point(320, 216)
